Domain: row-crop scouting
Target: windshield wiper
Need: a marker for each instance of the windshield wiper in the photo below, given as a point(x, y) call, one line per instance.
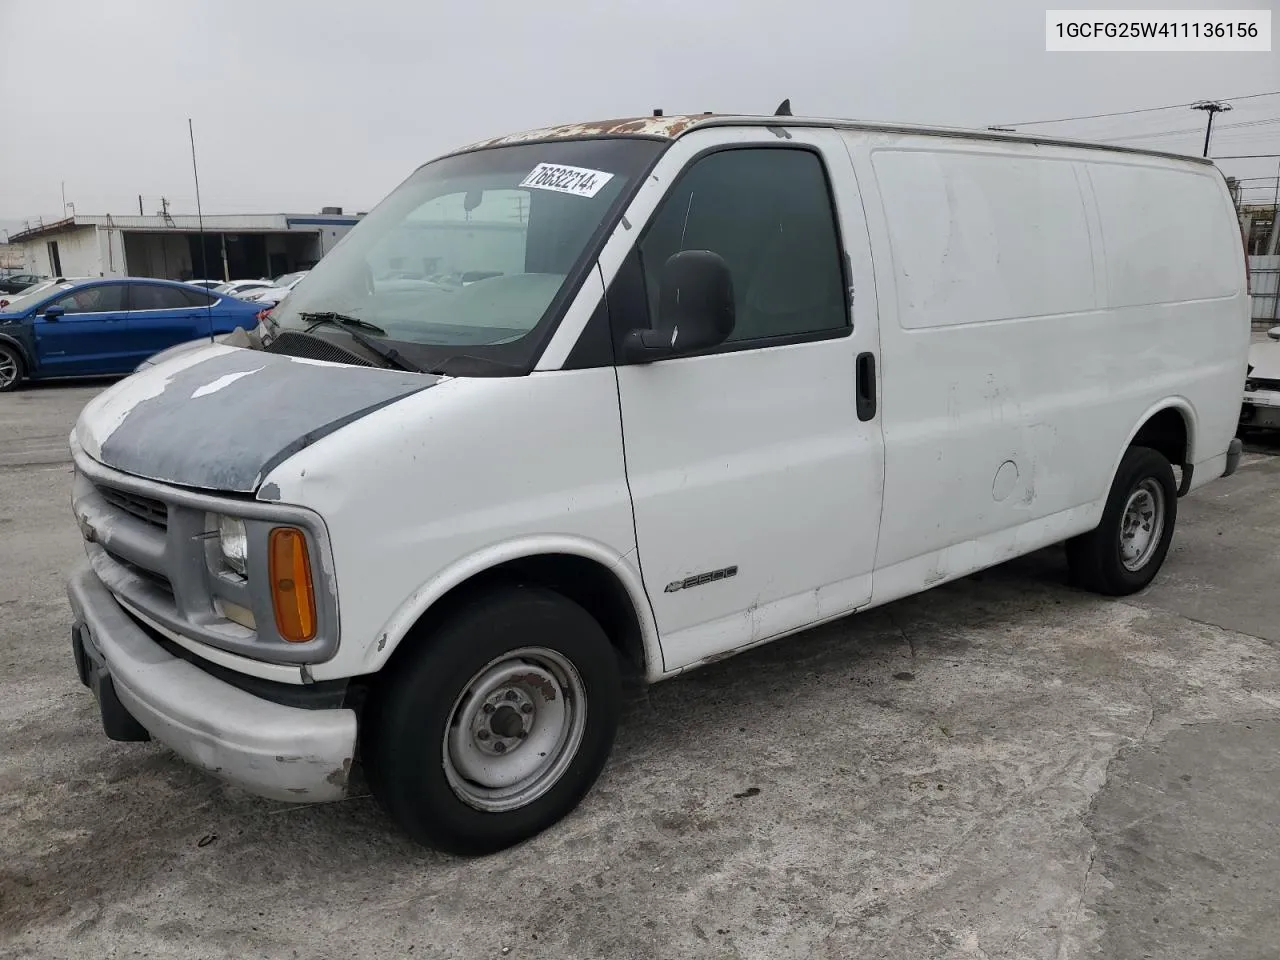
point(393, 356)
point(390, 354)
point(339, 320)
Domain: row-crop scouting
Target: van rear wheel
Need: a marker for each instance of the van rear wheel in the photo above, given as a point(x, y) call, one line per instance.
point(1126, 550)
point(497, 725)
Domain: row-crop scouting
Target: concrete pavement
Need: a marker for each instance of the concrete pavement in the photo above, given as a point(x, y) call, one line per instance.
point(1002, 767)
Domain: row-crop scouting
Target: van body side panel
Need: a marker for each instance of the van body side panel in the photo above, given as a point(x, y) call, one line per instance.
point(1014, 373)
point(470, 471)
point(1174, 273)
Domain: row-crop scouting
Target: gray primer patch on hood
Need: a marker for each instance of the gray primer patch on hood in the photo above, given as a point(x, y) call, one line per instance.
point(225, 423)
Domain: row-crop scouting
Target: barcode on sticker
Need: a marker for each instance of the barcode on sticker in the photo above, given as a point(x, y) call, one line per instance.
point(579, 181)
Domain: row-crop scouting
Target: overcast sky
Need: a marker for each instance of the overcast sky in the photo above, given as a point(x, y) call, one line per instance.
point(304, 103)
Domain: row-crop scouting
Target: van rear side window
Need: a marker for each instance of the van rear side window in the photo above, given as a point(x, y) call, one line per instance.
point(979, 237)
point(1168, 234)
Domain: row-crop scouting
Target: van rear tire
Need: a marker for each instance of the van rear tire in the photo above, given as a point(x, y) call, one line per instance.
point(497, 724)
point(1125, 551)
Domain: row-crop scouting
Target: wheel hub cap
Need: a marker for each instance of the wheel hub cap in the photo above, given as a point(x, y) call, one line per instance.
point(1141, 525)
point(515, 729)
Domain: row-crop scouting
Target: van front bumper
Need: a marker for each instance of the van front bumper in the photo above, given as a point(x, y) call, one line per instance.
point(276, 751)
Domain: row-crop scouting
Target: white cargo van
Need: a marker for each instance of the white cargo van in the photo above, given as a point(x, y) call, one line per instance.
point(626, 398)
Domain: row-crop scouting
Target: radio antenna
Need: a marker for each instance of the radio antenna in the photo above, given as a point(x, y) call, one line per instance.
point(204, 249)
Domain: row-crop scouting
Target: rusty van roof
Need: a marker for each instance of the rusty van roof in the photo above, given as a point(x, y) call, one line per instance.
point(671, 127)
point(663, 128)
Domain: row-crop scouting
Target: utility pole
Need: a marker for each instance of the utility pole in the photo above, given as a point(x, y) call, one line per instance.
point(1210, 107)
point(64, 198)
point(164, 207)
point(140, 213)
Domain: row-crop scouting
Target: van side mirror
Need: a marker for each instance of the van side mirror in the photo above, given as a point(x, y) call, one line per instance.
point(695, 308)
point(54, 312)
point(1274, 333)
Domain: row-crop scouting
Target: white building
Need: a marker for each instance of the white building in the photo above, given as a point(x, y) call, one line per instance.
point(168, 247)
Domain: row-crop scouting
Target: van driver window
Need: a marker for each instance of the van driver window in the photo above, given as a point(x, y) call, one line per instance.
point(768, 213)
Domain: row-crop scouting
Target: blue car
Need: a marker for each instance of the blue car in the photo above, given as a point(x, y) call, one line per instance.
point(99, 327)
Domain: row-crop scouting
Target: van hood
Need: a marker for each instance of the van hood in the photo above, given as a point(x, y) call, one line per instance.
point(221, 418)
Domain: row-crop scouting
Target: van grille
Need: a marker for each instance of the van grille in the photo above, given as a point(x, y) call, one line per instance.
point(153, 512)
point(308, 347)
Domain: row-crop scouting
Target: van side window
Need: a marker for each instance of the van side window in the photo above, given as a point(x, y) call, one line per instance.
point(768, 212)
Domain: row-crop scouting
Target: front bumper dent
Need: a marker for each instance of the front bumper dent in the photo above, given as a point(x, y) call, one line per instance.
point(275, 751)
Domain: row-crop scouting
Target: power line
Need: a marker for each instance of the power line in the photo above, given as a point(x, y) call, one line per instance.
point(1188, 130)
point(1249, 156)
point(1126, 113)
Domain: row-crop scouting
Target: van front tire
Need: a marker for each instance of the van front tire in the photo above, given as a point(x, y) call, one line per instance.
point(497, 724)
point(1125, 551)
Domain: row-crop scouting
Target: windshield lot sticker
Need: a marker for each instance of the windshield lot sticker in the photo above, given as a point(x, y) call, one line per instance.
point(576, 180)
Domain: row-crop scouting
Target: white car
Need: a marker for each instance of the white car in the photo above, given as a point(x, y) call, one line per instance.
point(277, 291)
point(206, 284)
point(1261, 406)
point(39, 287)
point(242, 288)
point(728, 378)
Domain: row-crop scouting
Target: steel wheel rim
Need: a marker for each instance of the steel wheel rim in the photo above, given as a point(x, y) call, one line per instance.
point(1141, 525)
point(8, 369)
point(515, 729)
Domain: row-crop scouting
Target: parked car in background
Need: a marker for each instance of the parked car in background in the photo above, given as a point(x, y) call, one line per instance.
point(206, 284)
point(239, 288)
point(1261, 406)
point(99, 327)
point(278, 290)
point(16, 282)
point(37, 288)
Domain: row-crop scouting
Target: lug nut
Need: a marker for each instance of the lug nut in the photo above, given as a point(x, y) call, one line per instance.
point(482, 735)
point(526, 708)
point(499, 746)
point(522, 734)
point(489, 708)
point(512, 695)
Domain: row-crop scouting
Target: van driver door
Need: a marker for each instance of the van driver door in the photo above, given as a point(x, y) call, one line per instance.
point(755, 468)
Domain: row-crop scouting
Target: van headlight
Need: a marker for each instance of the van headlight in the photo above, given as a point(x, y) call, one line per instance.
point(233, 542)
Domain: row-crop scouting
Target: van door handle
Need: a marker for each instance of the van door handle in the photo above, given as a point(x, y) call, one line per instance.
point(866, 386)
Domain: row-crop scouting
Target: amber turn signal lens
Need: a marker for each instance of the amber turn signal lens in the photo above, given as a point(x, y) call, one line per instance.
point(291, 592)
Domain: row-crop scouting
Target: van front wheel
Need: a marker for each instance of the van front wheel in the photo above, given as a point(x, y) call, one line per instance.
point(1126, 550)
point(497, 725)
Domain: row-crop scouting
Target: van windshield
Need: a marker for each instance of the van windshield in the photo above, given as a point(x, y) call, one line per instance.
point(476, 253)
